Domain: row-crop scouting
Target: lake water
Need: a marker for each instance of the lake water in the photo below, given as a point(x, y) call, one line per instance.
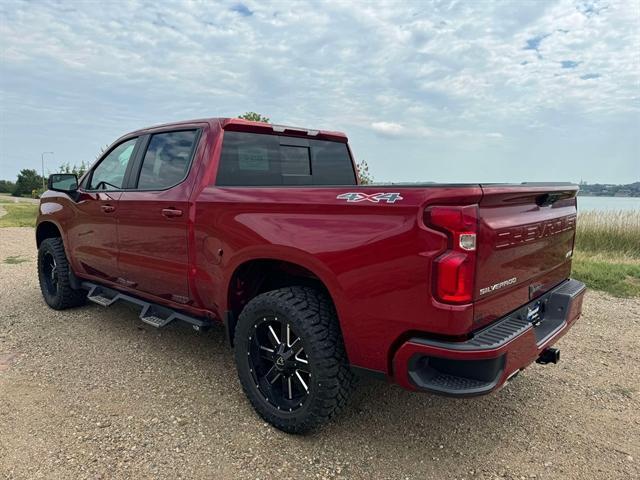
point(608, 203)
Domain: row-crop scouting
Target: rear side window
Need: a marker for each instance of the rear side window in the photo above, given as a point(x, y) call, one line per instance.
point(167, 159)
point(252, 159)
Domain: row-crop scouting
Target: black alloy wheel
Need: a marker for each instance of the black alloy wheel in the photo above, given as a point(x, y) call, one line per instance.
point(50, 273)
point(278, 363)
point(291, 359)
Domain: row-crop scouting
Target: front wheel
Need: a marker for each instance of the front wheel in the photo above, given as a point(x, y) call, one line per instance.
point(291, 359)
point(53, 273)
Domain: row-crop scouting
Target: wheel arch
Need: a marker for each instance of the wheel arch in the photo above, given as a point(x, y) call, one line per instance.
point(257, 275)
point(47, 229)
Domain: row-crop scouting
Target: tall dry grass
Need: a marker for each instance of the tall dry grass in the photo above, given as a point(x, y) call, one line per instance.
point(609, 232)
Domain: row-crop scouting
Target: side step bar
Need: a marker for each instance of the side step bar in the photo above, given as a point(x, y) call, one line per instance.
point(153, 314)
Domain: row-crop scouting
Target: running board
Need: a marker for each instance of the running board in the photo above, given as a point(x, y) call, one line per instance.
point(152, 314)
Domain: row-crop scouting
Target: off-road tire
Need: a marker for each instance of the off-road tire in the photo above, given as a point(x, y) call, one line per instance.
point(312, 315)
point(63, 295)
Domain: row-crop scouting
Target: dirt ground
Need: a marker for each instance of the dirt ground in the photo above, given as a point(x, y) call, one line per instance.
point(95, 393)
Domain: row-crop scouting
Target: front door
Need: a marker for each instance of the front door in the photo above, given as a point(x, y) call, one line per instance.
point(153, 216)
point(92, 233)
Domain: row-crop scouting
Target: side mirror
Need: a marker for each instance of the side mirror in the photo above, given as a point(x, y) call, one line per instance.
point(63, 182)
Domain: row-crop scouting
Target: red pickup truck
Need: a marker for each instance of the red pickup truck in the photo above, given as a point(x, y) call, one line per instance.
point(450, 289)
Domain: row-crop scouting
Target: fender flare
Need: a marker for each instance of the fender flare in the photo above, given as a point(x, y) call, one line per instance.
point(284, 254)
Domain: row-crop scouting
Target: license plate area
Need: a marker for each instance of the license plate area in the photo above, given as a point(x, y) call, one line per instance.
point(548, 313)
point(554, 309)
point(535, 313)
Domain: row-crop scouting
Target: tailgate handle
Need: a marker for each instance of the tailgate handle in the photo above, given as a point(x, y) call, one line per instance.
point(548, 199)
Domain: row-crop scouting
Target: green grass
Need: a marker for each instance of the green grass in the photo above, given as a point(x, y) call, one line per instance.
point(617, 279)
point(607, 253)
point(15, 260)
point(18, 214)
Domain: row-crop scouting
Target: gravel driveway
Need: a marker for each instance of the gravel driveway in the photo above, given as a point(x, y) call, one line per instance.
point(95, 393)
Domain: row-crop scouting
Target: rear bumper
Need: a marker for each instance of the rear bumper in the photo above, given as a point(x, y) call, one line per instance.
point(494, 354)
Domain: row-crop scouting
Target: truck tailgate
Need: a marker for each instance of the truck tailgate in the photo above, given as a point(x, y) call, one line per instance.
point(525, 245)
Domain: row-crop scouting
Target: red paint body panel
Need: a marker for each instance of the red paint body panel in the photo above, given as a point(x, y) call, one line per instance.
point(520, 240)
point(92, 234)
point(153, 246)
point(375, 259)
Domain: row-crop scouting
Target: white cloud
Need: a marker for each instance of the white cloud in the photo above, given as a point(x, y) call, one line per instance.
point(388, 128)
point(426, 71)
point(393, 129)
point(453, 58)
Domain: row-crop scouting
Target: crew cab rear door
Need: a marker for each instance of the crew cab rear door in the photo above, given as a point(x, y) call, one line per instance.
point(525, 245)
point(153, 215)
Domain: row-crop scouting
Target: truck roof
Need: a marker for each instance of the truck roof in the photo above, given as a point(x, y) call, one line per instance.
point(239, 124)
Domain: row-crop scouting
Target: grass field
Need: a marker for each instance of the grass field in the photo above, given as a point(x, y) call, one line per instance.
point(607, 250)
point(616, 233)
point(20, 214)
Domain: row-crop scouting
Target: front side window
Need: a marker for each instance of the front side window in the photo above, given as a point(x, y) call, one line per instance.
point(167, 159)
point(109, 174)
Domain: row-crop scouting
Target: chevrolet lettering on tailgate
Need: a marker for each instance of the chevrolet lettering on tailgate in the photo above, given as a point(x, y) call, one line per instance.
point(527, 233)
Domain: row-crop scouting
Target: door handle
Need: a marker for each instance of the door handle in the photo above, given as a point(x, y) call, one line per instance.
point(171, 212)
point(108, 208)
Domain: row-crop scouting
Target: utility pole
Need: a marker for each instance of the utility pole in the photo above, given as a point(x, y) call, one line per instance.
point(42, 158)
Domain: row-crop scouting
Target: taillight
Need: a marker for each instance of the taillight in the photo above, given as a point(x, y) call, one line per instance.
point(454, 270)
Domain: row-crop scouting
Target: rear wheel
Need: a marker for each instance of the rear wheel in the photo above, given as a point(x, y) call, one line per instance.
point(53, 273)
point(291, 359)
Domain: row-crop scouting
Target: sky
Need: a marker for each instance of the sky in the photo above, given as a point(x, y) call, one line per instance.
point(443, 91)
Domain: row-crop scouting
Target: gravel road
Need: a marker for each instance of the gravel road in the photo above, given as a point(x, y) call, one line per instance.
point(95, 393)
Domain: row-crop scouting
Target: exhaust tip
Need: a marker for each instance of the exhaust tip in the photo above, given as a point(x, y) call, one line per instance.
point(549, 355)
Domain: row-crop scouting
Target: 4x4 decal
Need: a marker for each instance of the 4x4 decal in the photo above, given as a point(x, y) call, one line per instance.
point(374, 197)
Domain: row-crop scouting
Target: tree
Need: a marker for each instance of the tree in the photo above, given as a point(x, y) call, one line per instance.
point(80, 169)
point(7, 186)
point(77, 170)
point(362, 169)
point(28, 181)
point(254, 117)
